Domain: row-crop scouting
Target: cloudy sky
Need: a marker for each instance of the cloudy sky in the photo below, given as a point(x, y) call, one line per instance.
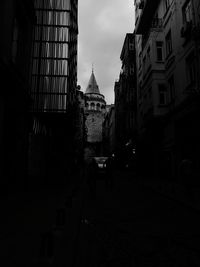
point(103, 25)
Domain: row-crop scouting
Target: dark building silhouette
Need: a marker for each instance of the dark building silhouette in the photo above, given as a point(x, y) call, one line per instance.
point(80, 132)
point(109, 130)
point(17, 19)
point(53, 89)
point(39, 113)
point(125, 96)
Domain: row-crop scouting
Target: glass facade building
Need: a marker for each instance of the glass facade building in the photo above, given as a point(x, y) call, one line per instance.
point(54, 56)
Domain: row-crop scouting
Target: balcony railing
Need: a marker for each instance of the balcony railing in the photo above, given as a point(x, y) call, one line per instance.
point(156, 24)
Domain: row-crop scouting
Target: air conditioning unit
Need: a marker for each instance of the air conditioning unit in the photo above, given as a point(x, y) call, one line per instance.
point(186, 29)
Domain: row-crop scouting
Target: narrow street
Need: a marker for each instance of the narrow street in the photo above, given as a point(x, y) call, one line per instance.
point(132, 225)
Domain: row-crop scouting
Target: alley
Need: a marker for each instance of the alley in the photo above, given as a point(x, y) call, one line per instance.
point(132, 225)
point(93, 90)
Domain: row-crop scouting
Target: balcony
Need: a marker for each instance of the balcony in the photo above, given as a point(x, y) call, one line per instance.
point(156, 23)
point(148, 8)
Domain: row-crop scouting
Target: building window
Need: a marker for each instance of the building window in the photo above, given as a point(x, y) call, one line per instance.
point(162, 90)
point(191, 69)
point(187, 12)
point(168, 43)
point(92, 106)
point(159, 51)
point(171, 87)
point(98, 107)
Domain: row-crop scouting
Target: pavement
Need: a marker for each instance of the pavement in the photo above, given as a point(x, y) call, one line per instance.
point(137, 224)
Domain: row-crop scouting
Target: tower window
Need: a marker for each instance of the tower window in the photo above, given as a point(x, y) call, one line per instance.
point(98, 106)
point(92, 106)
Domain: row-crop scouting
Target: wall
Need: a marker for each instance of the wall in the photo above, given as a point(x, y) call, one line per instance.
point(94, 122)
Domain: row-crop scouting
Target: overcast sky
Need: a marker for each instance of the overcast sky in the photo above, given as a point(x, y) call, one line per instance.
point(103, 25)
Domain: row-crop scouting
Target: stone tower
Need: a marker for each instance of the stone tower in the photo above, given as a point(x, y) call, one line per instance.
point(94, 110)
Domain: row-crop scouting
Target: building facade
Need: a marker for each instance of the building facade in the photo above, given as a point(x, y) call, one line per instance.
point(80, 133)
point(94, 111)
point(125, 96)
point(53, 87)
point(17, 19)
point(109, 131)
point(39, 112)
point(167, 46)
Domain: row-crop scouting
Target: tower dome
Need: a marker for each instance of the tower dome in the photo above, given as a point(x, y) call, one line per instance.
point(95, 101)
point(92, 87)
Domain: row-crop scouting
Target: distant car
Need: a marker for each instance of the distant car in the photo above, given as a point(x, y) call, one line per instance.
point(101, 164)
